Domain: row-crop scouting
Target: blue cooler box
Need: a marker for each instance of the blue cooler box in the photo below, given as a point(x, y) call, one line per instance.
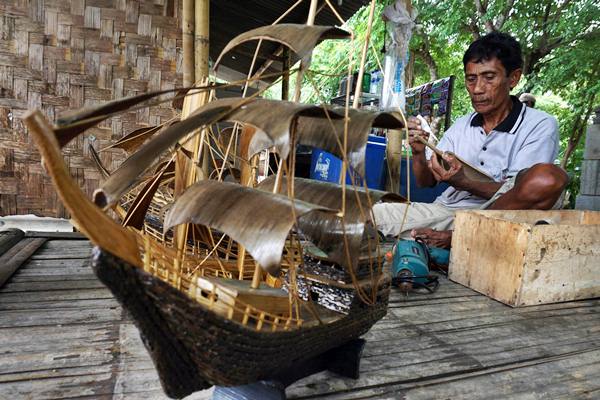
point(325, 166)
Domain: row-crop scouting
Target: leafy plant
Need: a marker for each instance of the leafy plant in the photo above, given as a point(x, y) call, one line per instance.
point(559, 39)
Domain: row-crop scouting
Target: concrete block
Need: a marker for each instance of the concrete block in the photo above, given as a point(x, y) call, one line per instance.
point(585, 202)
point(590, 177)
point(592, 143)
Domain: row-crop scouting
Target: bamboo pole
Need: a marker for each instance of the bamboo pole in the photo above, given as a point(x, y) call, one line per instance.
point(247, 179)
point(361, 70)
point(312, 12)
point(394, 145)
point(201, 42)
point(187, 32)
point(257, 277)
point(201, 47)
point(186, 172)
point(285, 79)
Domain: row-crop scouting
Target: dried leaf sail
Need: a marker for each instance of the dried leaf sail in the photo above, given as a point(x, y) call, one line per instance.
point(137, 212)
point(258, 220)
point(70, 126)
point(301, 39)
point(134, 139)
point(124, 177)
point(327, 231)
point(328, 135)
point(97, 162)
point(273, 120)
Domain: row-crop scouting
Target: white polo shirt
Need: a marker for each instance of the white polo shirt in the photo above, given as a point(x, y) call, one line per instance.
point(526, 137)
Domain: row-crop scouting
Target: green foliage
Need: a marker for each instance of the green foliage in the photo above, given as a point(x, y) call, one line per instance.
point(331, 58)
point(560, 42)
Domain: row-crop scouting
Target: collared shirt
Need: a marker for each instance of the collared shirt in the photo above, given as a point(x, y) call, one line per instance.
point(526, 137)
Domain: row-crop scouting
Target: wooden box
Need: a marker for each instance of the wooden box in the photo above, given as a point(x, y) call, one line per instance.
point(527, 257)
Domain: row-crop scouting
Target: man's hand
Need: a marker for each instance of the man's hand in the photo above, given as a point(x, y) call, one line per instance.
point(433, 238)
point(450, 170)
point(414, 130)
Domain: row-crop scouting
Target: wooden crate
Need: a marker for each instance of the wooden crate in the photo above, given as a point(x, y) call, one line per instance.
point(527, 257)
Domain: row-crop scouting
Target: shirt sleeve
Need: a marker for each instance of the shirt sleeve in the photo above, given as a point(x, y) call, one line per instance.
point(541, 146)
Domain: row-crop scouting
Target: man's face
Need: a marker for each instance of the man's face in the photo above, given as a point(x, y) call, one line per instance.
point(488, 85)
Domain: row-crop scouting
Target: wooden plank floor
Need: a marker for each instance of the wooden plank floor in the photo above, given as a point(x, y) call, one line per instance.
point(62, 335)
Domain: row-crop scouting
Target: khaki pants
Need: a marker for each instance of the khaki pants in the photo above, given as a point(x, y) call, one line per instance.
point(391, 221)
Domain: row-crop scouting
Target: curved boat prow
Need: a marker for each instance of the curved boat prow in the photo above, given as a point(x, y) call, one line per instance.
point(88, 218)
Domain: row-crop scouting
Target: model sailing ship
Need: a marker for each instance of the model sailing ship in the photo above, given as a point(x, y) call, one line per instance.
point(230, 281)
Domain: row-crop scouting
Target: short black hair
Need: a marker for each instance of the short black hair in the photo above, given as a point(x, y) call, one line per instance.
point(496, 44)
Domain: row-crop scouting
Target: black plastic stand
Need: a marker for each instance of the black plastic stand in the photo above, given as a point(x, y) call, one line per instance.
point(343, 360)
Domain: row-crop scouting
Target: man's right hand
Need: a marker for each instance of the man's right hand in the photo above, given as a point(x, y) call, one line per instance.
point(414, 130)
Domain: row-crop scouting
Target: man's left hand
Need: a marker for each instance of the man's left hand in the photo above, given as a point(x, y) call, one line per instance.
point(452, 172)
point(433, 238)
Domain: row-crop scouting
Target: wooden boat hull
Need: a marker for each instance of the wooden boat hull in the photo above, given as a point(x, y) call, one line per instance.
point(194, 348)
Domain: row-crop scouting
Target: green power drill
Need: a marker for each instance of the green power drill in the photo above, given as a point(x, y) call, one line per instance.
point(410, 264)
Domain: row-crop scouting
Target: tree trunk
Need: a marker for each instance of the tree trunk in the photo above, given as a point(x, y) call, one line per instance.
point(579, 129)
point(409, 76)
point(425, 53)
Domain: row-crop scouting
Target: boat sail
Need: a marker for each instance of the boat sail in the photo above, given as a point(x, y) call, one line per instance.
point(312, 278)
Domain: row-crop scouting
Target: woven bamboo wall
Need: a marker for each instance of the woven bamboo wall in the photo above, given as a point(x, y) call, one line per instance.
point(59, 55)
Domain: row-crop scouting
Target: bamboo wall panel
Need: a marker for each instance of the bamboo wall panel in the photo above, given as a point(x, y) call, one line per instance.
point(58, 55)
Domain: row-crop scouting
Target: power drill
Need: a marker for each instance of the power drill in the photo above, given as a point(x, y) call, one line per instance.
point(410, 264)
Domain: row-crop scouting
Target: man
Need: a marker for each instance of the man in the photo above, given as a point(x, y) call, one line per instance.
point(514, 144)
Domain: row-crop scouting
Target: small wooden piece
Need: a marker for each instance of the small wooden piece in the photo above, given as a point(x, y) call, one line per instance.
point(17, 255)
point(9, 238)
point(527, 257)
point(471, 172)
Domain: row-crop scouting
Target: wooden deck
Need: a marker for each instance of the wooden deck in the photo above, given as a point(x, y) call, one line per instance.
point(62, 335)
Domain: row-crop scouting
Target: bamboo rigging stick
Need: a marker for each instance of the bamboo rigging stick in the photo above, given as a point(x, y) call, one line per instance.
point(268, 63)
point(335, 12)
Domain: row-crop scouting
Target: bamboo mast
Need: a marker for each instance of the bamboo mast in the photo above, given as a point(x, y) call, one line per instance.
point(186, 171)
point(310, 21)
point(312, 13)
